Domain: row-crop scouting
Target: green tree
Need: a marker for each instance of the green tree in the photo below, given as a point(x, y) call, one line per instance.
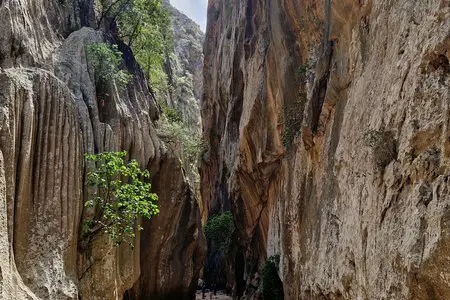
point(121, 196)
point(218, 233)
point(219, 228)
point(105, 60)
point(146, 27)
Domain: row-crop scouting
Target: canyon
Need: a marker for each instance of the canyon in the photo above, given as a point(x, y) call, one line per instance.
point(325, 137)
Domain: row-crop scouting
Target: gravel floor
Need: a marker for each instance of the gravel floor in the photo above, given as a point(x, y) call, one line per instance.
point(208, 296)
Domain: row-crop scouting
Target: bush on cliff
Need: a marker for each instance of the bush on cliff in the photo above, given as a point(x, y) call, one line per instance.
point(105, 60)
point(120, 196)
point(173, 130)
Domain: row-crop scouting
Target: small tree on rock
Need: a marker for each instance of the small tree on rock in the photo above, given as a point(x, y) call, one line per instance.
point(105, 60)
point(121, 196)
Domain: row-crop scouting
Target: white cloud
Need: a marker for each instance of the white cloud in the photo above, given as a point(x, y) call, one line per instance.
point(194, 9)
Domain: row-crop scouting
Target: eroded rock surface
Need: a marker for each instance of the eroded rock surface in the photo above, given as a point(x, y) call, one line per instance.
point(328, 132)
point(51, 114)
point(184, 68)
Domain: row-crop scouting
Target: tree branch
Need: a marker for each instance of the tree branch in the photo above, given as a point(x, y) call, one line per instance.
point(106, 12)
point(133, 34)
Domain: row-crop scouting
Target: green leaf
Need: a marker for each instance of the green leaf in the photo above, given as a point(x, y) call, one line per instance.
point(122, 198)
point(218, 230)
point(105, 60)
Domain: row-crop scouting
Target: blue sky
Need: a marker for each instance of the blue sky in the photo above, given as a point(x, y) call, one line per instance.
point(194, 9)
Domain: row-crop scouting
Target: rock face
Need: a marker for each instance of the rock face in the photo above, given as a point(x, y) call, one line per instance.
point(327, 125)
point(183, 262)
point(184, 68)
point(51, 114)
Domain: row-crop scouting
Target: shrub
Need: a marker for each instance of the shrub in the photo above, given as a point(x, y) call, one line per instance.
point(172, 114)
point(106, 59)
point(121, 196)
point(301, 73)
point(219, 228)
point(172, 129)
point(272, 286)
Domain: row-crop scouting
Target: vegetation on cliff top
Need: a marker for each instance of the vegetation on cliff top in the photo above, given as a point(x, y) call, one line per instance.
point(144, 25)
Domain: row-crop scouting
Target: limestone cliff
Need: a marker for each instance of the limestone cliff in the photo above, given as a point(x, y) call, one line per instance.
point(328, 131)
point(51, 114)
point(184, 68)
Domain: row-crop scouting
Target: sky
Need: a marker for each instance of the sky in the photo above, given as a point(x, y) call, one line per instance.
point(194, 9)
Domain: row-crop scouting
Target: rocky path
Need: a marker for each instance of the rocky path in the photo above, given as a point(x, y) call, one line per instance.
point(209, 295)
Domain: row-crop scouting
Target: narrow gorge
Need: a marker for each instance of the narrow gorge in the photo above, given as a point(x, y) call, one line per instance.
point(299, 149)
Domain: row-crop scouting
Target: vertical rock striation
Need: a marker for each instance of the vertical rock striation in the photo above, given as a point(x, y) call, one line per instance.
point(51, 114)
point(327, 125)
point(43, 200)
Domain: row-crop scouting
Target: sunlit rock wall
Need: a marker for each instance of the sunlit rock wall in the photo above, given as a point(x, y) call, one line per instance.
point(328, 131)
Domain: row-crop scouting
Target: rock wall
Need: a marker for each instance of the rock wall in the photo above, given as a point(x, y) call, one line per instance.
point(51, 114)
point(184, 68)
point(327, 125)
